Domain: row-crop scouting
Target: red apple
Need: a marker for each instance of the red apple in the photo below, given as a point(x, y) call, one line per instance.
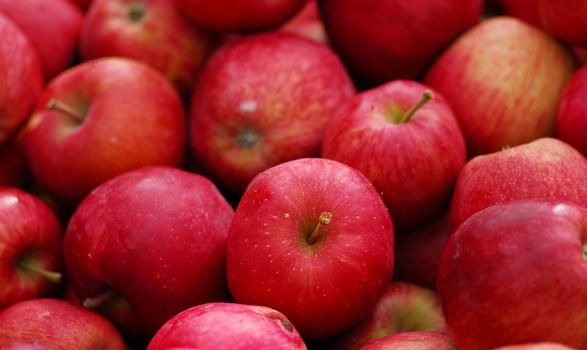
point(228, 326)
point(504, 79)
point(571, 122)
point(101, 119)
point(25, 346)
point(546, 168)
point(535, 346)
point(515, 273)
point(307, 23)
point(238, 15)
point(58, 325)
point(53, 28)
point(312, 239)
point(263, 100)
point(30, 247)
point(567, 19)
point(13, 166)
point(152, 31)
point(394, 39)
point(22, 78)
point(412, 341)
point(148, 244)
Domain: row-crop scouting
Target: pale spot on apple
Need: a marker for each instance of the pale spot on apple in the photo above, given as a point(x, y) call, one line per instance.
point(248, 106)
point(34, 122)
point(8, 201)
point(286, 216)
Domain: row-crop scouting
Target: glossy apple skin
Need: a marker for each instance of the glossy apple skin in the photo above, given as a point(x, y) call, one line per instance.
point(13, 166)
point(571, 122)
point(504, 79)
point(566, 20)
point(132, 117)
point(403, 307)
point(535, 346)
point(157, 237)
point(546, 168)
point(228, 326)
point(387, 40)
point(53, 27)
point(412, 341)
point(413, 164)
point(58, 325)
point(29, 232)
point(501, 273)
point(278, 88)
point(322, 287)
point(22, 78)
point(238, 15)
point(162, 37)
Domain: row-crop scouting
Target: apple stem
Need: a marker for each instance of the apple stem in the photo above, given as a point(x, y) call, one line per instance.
point(97, 301)
point(65, 108)
point(52, 276)
point(324, 220)
point(427, 95)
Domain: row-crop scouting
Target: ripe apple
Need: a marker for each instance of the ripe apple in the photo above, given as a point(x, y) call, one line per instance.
point(238, 15)
point(403, 307)
point(307, 23)
point(515, 273)
point(567, 20)
point(13, 167)
point(100, 119)
point(25, 346)
point(394, 39)
point(412, 341)
point(30, 247)
point(53, 27)
point(263, 100)
point(504, 79)
point(148, 244)
point(535, 346)
point(407, 141)
point(571, 122)
point(57, 324)
point(22, 78)
point(546, 168)
point(312, 239)
point(228, 326)
point(152, 31)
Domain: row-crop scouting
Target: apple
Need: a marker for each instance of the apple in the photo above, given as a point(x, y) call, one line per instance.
point(238, 15)
point(263, 100)
point(25, 346)
point(526, 10)
point(13, 167)
point(404, 307)
point(148, 244)
point(406, 140)
point(152, 31)
point(307, 23)
point(312, 239)
point(57, 324)
point(100, 119)
point(546, 168)
point(535, 346)
point(30, 247)
point(566, 20)
point(53, 28)
point(394, 39)
point(504, 79)
point(412, 341)
point(505, 271)
point(22, 78)
point(228, 326)
point(571, 122)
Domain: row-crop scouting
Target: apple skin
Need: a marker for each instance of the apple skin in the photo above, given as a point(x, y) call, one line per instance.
point(263, 100)
point(228, 326)
point(413, 164)
point(412, 341)
point(307, 23)
point(53, 27)
point(501, 273)
point(565, 20)
point(13, 166)
point(22, 78)
point(546, 168)
point(30, 233)
point(155, 236)
point(58, 325)
point(504, 79)
point(387, 40)
point(238, 15)
point(535, 346)
point(326, 286)
point(571, 122)
point(131, 117)
point(25, 346)
point(152, 31)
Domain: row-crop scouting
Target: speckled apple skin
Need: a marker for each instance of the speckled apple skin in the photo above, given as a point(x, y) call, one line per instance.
point(413, 341)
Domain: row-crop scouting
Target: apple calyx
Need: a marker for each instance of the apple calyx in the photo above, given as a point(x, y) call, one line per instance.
point(427, 95)
point(30, 266)
point(93, 303)
point(325, 218)
point(65, 108)
point(136, 12)
point(247, 139)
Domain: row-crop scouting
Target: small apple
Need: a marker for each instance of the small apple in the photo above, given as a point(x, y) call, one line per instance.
point(412, 341)
point(567, 20)
point(571, 122)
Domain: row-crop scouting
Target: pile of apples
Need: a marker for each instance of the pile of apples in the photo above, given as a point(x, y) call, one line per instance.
point(293, 174)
